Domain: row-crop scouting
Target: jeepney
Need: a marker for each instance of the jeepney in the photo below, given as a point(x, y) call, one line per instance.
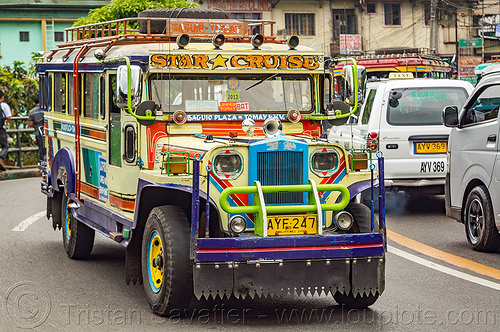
point(198, 147)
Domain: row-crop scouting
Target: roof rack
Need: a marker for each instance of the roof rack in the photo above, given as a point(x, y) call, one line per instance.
point(156, 28)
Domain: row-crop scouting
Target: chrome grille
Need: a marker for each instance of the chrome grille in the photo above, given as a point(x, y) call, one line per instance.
point(280, 168)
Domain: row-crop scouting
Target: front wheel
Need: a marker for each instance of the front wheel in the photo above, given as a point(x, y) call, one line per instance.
point(166, 268)
point(78, 238)
point(355, 302)
point(479, 219)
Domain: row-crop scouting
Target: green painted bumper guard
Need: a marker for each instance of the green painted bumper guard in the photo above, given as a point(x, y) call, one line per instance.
point(261, 210)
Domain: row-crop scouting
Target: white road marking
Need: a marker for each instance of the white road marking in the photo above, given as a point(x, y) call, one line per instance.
point(28, 221)
point(443, 269)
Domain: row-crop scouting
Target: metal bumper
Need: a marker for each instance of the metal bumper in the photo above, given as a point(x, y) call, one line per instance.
point(262, 278)
point(289, 265)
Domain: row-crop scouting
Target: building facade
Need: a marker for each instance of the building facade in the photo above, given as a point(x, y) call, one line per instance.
point(28, 26)
point(369, 26)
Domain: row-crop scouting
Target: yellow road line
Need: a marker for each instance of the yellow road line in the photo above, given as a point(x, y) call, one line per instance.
point(444, 256)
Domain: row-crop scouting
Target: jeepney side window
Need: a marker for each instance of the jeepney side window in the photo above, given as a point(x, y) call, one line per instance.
point(43, 92)
point(60, 92)
point(90, 100)
point(70, 103)
point(102, 96)
point(50, 77)
point(113, 108)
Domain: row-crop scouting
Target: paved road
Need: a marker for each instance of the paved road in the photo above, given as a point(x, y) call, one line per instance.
point(431, 284)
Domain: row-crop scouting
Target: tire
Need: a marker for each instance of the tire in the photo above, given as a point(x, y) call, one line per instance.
point(362, 218)
point(78, 238)
point(358, 302)
point(159, 26)
point(479, 220)
point(366, 198)
point(166, 267)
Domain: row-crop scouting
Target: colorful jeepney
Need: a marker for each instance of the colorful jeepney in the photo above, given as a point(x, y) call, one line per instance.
point(198, 148)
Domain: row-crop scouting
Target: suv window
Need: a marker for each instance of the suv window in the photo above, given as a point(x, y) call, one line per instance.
point(368, 106)
point(422, 106)
point(485, 107)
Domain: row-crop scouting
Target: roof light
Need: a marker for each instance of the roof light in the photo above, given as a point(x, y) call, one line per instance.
point(182, 40)
point(180, 117)
point(257, 40)
point(293, 116)
point(218, 40)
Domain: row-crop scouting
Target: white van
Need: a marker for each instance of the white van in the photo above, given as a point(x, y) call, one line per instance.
point(402, 118)
point(473, 179)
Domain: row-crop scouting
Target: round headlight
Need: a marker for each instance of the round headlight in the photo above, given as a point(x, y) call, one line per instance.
point(324, 161)
point(227, 164)
point(237, 224)
point(344, 220)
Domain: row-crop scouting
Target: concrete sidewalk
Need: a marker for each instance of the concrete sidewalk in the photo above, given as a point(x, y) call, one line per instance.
point(19, 173)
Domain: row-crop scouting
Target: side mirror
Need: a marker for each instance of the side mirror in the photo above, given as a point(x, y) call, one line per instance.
point(450, 116)
point(122, 89)
point(336, 106)
point(349, 83)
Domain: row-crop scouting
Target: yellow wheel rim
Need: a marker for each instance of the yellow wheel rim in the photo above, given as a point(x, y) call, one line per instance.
point(155, 262)
point(67, 224)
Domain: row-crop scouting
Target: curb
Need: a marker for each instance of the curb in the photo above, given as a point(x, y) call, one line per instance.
point(12, 174)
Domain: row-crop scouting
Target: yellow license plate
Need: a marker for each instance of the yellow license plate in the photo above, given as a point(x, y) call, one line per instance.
point(430, 147)
point(292, 225)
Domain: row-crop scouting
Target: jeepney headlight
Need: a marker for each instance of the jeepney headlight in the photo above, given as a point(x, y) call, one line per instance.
point(228, 164)
point(343, 220)
point(237, 224)
point(324, 161)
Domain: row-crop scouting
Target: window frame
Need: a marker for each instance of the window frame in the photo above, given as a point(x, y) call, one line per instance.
point(385, 25)
point(375, 8)
point(26, 34)
point(299, 30)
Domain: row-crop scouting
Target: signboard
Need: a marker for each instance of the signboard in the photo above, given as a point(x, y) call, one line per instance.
point(395, 75)
point(350, 44)
point(471, 79)
point(470, 60)
point(467, 71)
point(497, 31)
point(103, 186)
point(471, 42)
point(240, 5)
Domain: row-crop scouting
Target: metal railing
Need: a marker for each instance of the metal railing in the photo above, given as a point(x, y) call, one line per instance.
point(13, 129)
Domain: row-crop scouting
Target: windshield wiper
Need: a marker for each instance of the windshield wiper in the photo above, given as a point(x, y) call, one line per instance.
point(262, 80)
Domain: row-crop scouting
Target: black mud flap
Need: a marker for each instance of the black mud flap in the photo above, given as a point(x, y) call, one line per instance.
point(368, 276)
point(271, 278)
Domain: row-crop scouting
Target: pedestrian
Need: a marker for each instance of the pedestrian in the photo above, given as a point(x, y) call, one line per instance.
point(35, 119)
point(5, 115)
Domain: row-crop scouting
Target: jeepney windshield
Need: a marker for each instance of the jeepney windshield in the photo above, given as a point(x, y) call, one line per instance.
point(272, 93)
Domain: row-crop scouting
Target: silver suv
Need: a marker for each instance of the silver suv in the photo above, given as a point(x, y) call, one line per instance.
point(472, 190)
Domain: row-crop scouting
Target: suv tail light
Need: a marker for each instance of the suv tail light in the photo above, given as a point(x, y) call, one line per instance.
point(372, 141)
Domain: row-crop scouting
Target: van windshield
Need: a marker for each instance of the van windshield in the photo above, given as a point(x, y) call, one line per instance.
point(422, 106)
point(270, 93)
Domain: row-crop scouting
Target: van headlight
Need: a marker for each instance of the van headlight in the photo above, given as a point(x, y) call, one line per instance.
point(324, 161)
point(228, 164)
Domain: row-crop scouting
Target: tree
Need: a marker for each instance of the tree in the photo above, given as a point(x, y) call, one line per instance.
point(19, 87)
point(119, 9)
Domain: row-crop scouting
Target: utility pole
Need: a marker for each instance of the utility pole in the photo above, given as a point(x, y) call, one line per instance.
point(482, 36)
point(434, 27)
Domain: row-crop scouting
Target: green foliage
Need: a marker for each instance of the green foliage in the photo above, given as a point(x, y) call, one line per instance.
point(119, 9)
point(19, 87)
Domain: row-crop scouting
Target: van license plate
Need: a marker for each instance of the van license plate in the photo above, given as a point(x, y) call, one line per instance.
point(292, 225)
point(430, 147)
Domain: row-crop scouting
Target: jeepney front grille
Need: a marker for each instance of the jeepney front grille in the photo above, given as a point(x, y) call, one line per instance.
point(280, 168)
